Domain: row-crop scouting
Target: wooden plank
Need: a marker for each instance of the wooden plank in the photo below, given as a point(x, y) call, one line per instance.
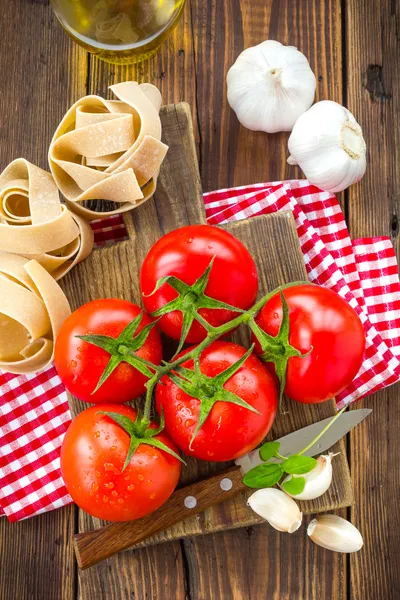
point(172, 70)
point(42, 72)
point(259, 563)
point(231, 154)
point(373, 95)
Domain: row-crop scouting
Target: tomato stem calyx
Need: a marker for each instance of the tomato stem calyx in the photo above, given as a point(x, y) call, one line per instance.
point(190, 299)
point(140, 433)
point(278, 350)
point(209, 390)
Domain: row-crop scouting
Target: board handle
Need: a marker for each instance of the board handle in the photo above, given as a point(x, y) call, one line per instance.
point(94, 546)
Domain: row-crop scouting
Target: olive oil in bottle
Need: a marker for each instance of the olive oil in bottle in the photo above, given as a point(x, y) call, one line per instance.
point(119, 31)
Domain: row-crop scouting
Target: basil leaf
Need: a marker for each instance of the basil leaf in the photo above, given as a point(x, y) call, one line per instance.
point(263, 476)
point(268, 450)
point(297, 465)
point(294, 486)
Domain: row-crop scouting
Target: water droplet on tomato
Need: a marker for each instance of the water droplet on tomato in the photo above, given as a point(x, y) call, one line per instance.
point(179, 420)
point(114, 493)
point(131, 487)
point(79, 348)
point(189, 423)
point(140, 477)
point(275, 315)
point(149, 482)
point(107, 437)
point(120, 501)
point(110, 467)
point(105, 498)
point(95, 486)
point(73, 363)
point(97, 473)
point(112, 501)
point(78, 357)
point(97, 434)
point(189, 240)
point(113, 447)
point(152, 496)
point(210, 453)
point(109, 486)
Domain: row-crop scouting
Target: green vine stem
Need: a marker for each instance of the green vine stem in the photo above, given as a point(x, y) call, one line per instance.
point(213, 333)
point(123, 349)
point(325, 429)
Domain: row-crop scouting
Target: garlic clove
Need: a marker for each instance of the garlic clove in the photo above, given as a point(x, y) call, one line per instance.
point(327, 144)
point(334, 533)
point(318, 480)
point(277, 508)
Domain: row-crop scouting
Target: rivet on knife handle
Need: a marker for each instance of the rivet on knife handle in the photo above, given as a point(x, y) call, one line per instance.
point(94, 546)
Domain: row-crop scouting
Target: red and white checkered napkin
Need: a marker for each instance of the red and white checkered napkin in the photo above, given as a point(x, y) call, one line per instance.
point(34, 411)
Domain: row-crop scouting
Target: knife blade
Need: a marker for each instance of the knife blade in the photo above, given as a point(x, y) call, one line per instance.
point(296, 441)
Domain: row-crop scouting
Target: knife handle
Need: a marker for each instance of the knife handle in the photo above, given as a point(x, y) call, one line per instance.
point(94, 546)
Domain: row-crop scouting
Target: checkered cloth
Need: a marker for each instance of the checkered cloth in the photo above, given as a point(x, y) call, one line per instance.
point(34, 413)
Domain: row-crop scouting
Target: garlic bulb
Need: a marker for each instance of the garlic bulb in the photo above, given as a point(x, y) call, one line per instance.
point(270, 86)
point(328, 145)
point(318, 480)
point(334, 533)
point(277, 508)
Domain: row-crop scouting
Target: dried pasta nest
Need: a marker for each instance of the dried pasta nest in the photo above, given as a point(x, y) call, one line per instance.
point(32, 309)
point(34, 223)
point(109, 150)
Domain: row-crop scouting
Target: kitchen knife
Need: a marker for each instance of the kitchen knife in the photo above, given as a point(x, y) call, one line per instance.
point(94, 546)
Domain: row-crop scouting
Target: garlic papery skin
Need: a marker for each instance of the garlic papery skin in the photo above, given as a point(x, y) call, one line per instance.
point(318, 480)
point(334, 533)
point(277, 508)
point(328, 145)
point(270, 86)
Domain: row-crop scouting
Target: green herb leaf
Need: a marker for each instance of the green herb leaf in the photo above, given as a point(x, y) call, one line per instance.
point(268, 450)
point(263, 476)
point(294, 485)
point(297, 465)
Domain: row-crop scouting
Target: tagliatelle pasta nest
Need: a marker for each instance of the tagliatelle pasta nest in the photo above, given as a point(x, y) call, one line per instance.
point(109, 149)
point(34, 223)
point(32, 309)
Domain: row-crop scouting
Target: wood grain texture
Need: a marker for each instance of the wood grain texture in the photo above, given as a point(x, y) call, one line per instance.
point(373, 94)
point(259, 563)
point(41, 73)
point(273, 242)
point(223, 28)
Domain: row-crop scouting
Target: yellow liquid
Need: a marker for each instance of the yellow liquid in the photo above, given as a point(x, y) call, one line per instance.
point(119, 31)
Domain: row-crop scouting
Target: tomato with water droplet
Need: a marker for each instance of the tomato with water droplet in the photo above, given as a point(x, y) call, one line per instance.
point(104, 475)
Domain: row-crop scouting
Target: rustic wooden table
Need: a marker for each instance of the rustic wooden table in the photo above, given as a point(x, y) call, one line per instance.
point(353, 48)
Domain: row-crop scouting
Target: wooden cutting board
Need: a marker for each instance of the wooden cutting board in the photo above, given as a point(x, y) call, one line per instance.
point(113, 271)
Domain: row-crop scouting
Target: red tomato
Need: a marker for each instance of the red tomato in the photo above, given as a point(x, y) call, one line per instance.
point(80, 364)
point(319, 319)
point(92, 457)
point(229, 430)
point(186, 253)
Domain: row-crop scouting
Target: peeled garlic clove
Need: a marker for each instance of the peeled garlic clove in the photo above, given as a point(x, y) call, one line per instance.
point(334, 533)
point(270, 86)
point(328, 145)
point(277, 508)
point(318, 480)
